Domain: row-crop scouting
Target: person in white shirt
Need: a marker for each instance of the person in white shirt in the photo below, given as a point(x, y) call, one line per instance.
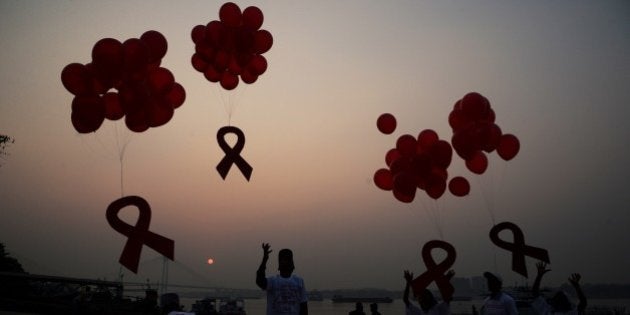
point(286, 293)
point(559, 303)
point(498, 302)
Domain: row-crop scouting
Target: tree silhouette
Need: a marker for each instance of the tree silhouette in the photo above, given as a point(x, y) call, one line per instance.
point(8, 263)
point(5, 141)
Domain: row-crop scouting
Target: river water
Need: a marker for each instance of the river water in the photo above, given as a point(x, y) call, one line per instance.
point(327, 307)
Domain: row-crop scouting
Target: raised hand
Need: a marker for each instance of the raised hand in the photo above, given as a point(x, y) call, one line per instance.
point(542, 268)
point(408, 276)
point(266, 250)
point(450, 274)
point(574, 279)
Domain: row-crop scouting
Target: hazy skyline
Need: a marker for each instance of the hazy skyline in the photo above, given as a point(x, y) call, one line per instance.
point(556, 73)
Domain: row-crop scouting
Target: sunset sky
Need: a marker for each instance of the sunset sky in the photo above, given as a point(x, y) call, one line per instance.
point(557, 74)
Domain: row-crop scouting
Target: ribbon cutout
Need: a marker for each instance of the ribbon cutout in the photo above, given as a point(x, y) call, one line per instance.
point(436, 272)
point(139, 234)
point(518, 248)
point(232, 154)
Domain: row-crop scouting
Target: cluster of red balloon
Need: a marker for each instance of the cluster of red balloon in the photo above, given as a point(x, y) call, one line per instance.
point(147, 94)
point(232, 46)
point(420, 162)
point(476, 133)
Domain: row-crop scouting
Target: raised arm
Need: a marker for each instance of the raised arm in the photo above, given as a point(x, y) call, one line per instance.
point(261, 279)
point(541, 268)
point(408, 279)
point(575, 281)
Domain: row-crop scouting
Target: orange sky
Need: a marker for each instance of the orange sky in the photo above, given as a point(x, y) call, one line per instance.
point(555, 73)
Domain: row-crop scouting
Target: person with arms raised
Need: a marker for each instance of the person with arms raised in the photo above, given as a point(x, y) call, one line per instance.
point(286, 293)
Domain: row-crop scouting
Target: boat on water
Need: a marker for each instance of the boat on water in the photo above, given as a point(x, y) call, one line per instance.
point(347, 299)
point(315, 296)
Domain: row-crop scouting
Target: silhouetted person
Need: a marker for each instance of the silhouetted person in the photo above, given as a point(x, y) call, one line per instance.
point(559, 303)
point(286, 293)
point(428, 304)
point(374, 309)
point(358, 309)
point(498, 302)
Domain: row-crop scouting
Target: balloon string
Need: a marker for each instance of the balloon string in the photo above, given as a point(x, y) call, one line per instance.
point(432, 213)
point(121, 156)
point(487, 199)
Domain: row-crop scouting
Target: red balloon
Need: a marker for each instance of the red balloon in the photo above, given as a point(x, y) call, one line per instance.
point(459, 186)
point(198, 34)
point(198, 62)
point(262, 41)
point(386, 123)
point(206, 52)
point(221, 60)
point(464, 143)
point(458, 120)
point(160, 80)
point(107, 56)
point(490, 135)
point(176, 96)
point(160, 112)
point(391, 156)
point(407, 144)
point(133, 97)
point(383, 179)
point(475, 106)
point(215, 34)
point(88, 113)
point(400, 165)
point(76, 78)
point(426, 139)
point(441, 154)
point(252, 18)
point(156, 42)
point(135, 54)
point(478, 163)
point(248, 77)
point(258, 65)
point(212, 74)
point(436, 188)
point(234, 67)
point(229, 81)
point(421, 166)
point(404, 187)
point(230, 14)
point(508, 147)
point(137, 121)
point(113, 109)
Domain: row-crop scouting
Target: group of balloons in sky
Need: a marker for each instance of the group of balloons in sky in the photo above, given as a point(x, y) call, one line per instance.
point(126, 79)
point(422, 162)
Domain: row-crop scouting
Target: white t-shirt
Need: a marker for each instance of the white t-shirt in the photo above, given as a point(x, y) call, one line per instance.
point(541, 307)
point(440, 308)
point(503, 304)
point(284, 295)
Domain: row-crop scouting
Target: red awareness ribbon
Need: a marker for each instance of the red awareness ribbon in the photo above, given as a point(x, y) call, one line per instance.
point(518, 248)
point(436, 272)
point(139, 234)
point(232, 154)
